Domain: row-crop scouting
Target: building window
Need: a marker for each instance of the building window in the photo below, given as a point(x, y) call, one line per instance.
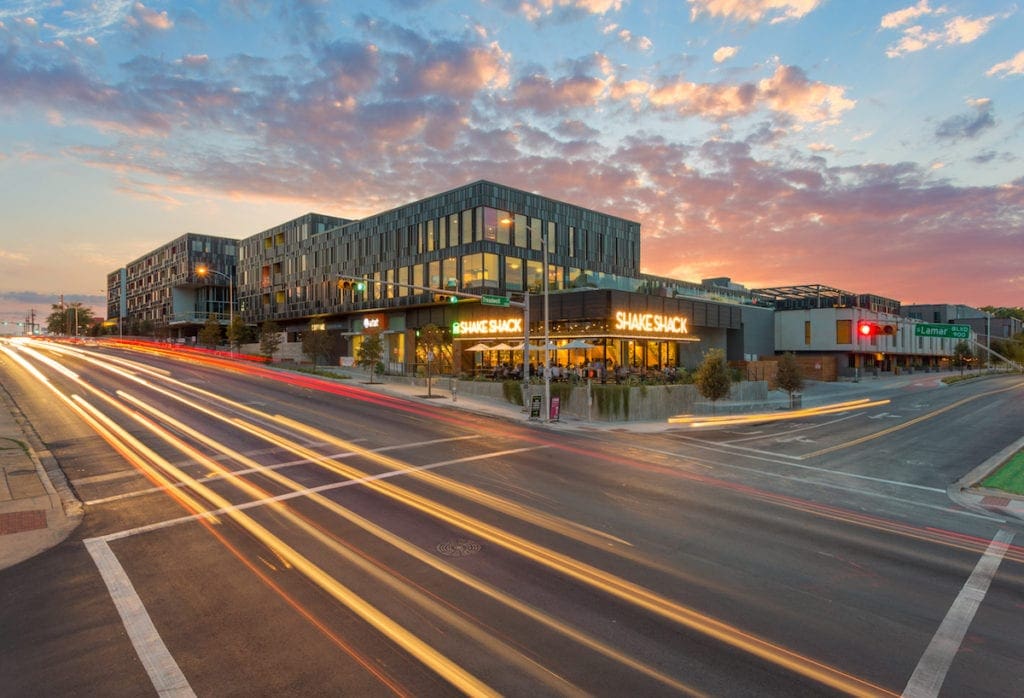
point(536, 234)
point(513, 274)
point(844, 331)
point(519, 232)
point(480, 270)
point(534, 276)
point(434, 275)
point(450, 273)
point(467, 227)
point(403, 278)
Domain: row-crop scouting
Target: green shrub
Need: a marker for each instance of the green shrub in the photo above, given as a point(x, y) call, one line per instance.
point(513, 392)
point(611, 400)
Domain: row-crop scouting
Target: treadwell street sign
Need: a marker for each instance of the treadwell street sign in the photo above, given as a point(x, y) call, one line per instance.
point(503, 301)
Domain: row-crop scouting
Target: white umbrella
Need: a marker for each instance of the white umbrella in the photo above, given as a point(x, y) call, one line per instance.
point(577, 344)
point(501, 347)
point(478, 347)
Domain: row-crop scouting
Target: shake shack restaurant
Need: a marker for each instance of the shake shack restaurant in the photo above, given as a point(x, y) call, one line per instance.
point(592, 329)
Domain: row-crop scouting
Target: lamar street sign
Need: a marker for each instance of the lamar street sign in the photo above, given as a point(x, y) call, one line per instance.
point(925, 329)
point(503, 301)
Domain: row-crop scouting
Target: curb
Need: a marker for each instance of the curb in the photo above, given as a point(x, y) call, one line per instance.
point(967, 493)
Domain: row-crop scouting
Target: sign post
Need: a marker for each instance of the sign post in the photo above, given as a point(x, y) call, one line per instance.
point(925, 329)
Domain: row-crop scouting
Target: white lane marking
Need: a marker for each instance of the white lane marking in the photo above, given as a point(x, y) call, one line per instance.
point(931, 671)
point(276, 466)
point(310, 490)
point(769, 457)
point(164, 672)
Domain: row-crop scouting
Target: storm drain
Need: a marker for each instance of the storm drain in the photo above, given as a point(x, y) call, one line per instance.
point(459, 547)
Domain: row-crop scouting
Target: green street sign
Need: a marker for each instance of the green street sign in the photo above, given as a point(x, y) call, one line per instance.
point(503, 301)
point(924, 329)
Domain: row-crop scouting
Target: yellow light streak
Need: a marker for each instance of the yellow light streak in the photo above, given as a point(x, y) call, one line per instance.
point(606, 582)
point(431, 560)
point(423, 652)
point(589, 575)
point(412, 594)
point(730, 420)
point(419, 649)
point(912, 422)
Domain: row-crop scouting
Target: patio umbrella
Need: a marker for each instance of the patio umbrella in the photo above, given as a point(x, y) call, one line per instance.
point(501, 347)
point(478, 347)
point(577, 344)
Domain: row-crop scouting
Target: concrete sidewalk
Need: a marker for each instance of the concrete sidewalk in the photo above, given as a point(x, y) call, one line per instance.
point(38, 509)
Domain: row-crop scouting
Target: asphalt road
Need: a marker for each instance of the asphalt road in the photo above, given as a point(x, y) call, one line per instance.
point(364, 545)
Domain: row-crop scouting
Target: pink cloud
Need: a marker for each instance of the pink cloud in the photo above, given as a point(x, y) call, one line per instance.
point(787, 91)
point(900, 17)
point(753, 10)
point(1013, 66)
point(143, 18)
point(544, 95)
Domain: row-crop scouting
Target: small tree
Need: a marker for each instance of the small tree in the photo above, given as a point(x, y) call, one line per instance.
point(237, 333)
point(789, 376)
point(270, 340)
point(209, 336)
point(370, 351)
point(962, 355)
point(316, 343)
point(712, 377)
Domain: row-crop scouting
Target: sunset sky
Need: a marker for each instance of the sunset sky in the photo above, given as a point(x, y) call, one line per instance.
point(877, 147)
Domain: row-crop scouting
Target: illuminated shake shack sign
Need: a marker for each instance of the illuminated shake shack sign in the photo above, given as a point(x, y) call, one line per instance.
point(488, 327)
point(650, 323)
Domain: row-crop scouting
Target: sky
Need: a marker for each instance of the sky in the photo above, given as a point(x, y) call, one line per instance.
point(877, 147)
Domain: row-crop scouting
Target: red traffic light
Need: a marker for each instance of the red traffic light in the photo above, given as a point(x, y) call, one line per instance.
point(871, 329)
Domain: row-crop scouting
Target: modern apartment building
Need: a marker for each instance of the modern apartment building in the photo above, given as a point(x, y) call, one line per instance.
point(483, 239)
point(161, 291)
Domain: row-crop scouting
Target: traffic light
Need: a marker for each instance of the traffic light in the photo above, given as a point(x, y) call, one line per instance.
point(873, 329)
point(353, 285)
point(445, 298)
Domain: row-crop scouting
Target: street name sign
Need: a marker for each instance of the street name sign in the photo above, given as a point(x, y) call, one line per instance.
point(925, 329)
point(503, 301)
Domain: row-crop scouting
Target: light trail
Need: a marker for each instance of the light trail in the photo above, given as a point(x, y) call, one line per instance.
point(761, 417)
point(910, 423)
point(615, 586)
point(586, 574)
point(417, 648)
point(420, 555)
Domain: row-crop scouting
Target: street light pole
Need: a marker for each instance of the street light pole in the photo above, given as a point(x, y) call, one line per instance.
point(203, 270)
point(547, 359)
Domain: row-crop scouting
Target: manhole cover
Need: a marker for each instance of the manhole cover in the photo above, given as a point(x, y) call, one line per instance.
point(458, 548)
